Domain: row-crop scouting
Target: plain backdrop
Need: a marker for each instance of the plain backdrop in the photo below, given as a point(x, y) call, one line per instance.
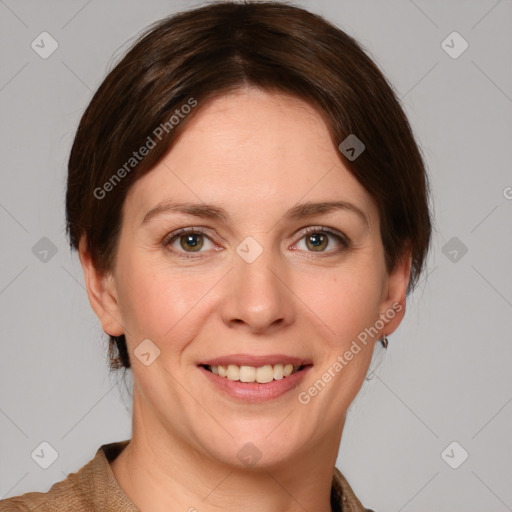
point(444, 386)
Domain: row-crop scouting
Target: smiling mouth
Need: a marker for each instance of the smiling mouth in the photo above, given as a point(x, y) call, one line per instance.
point(261, 374)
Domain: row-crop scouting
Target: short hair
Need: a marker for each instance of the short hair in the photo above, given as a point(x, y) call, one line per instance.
point(211, 51)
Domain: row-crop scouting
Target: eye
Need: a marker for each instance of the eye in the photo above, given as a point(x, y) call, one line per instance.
point(187, 240)
point(320, 239)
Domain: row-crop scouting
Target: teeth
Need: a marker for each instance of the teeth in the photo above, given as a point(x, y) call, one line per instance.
point(233, 372)
point(262, 374)
point(278, 371)
point(247, 374)
point(265, 374)
point(287, 370)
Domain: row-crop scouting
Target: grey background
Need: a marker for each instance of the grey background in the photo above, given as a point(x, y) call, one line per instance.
point(446, 376)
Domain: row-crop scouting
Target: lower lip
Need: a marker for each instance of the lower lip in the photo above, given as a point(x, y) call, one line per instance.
point(254, 391)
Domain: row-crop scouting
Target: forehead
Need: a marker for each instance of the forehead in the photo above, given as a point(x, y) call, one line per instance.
point(260, 151)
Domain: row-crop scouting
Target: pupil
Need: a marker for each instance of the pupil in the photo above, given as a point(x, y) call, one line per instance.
point(191, 241)
point(317, 240)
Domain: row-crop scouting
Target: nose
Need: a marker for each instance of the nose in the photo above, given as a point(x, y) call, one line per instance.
point(257, 297)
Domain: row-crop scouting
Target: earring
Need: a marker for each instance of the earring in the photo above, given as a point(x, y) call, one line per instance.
point(384, 341)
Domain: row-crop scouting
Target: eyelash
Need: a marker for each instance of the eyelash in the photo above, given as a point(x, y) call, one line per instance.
point(340, 238)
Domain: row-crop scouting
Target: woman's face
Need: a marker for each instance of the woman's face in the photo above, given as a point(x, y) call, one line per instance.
point(281, 263)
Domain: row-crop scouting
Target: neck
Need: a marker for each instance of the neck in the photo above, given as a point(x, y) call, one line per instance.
point(161, 471)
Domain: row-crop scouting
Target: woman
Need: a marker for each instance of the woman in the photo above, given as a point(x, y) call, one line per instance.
point(250, 210)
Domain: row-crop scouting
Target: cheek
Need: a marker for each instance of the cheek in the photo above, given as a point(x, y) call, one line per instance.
point(345, 300)
point(157, 302)
point(162, 302)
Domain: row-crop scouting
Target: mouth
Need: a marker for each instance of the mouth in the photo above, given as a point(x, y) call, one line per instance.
point(260, 374)
point(256, 384)
point(254, 378)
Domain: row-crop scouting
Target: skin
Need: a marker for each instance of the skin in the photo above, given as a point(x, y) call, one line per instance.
point(256, 155)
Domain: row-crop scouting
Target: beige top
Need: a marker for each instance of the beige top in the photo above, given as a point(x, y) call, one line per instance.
point(94, 488)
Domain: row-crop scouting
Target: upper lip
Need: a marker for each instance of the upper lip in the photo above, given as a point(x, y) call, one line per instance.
point(255, 360)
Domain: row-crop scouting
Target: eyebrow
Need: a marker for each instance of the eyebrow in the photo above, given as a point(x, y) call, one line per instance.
point(209, 211)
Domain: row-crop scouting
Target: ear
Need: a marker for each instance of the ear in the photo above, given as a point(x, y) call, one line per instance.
point(393, 305)
point(101, 292)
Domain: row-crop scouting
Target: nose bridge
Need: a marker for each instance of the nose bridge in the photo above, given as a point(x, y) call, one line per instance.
point(257, 295)
point(255, 266)
point(257, 270)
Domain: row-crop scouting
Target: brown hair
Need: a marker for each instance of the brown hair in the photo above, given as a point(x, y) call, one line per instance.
point(209, 51)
